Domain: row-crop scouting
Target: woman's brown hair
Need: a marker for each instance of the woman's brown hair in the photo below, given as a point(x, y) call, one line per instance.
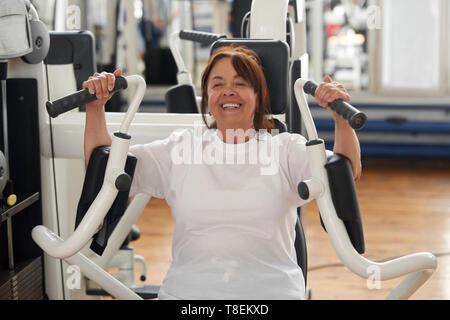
point(248, 66)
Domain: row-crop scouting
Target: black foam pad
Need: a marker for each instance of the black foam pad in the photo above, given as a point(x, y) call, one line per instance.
point(181, 99)
point(345, 200)
point(95, 174)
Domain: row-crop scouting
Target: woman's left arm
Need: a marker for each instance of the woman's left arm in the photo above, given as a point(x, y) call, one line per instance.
point(345, 140)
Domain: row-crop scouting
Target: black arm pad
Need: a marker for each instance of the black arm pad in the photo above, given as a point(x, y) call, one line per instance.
point(345, 200)
point(95, 174)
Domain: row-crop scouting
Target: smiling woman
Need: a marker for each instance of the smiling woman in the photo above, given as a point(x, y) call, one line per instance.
point(233, 77)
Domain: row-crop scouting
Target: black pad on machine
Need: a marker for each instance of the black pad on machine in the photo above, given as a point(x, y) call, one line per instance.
point(181, 99)
point(345, 200)
point(93, 181)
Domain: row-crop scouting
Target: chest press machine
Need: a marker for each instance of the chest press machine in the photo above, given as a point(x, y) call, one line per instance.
point(331, 185)
point(340, 218)
point(345, 233)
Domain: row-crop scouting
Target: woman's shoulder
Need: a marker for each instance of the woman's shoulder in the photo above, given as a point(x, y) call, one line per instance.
point(181, 132)
point(176, 136)
point(288, 138)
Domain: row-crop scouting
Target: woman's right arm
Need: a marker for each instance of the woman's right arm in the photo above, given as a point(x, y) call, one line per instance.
point(95, 132)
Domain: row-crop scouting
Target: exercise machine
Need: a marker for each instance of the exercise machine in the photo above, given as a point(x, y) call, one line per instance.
point(23, 40)
point(333, 188)
point(341, 219)
point(54, 172)
point(61, 151)
point(115, 180)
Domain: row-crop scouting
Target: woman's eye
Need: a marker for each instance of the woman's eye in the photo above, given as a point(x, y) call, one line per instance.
point(241, 84)
point(216, 85)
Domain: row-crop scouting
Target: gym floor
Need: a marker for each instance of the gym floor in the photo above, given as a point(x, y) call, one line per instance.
point(405, 207)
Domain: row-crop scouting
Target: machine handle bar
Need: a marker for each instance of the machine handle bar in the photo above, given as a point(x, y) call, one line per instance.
point(108, 192)
point(201, 37)
point(354, 117)
point(81, 97)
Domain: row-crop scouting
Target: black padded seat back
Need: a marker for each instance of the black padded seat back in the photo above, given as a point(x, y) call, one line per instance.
point(274, 56)
point(93, 181)
point(73, 47)
point(280, 126)
point(180, 98)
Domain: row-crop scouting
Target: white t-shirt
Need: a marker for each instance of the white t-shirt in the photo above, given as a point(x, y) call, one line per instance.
point(234, 207)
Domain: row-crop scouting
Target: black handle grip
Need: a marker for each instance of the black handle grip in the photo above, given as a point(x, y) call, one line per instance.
point(354, 117)
point(206, 38)
point(79, 98)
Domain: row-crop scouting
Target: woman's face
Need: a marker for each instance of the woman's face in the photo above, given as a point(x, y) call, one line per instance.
point(231, 99)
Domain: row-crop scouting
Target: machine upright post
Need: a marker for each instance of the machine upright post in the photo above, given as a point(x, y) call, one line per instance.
point(268, 19)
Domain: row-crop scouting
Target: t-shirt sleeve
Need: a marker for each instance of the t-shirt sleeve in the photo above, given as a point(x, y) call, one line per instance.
point(154, 166)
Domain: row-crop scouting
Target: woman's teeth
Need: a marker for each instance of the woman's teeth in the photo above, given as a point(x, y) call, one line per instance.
point(230, 105)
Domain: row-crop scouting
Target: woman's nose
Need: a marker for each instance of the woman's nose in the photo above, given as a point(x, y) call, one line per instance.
point(228, 91)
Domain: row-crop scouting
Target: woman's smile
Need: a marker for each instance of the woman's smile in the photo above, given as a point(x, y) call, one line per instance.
point(231, 106)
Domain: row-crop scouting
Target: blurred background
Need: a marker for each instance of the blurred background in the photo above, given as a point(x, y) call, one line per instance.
point(393, 57)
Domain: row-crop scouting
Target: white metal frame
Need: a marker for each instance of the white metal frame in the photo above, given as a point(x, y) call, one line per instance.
point(419, 265)
point(107, 194)
point(70, 249)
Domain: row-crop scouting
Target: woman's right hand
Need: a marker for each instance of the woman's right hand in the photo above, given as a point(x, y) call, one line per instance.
point(101, 84)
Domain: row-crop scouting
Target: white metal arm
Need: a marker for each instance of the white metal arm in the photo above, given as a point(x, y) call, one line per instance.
point(420, 266)
point(58, 248)
point(183, 75)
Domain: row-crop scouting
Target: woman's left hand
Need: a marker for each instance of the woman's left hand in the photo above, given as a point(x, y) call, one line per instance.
point(328, 91)
point(345, 139)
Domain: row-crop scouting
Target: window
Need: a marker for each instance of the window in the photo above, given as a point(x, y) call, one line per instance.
point(410, 45)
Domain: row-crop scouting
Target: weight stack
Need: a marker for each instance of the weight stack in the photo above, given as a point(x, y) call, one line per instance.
point(24, 283)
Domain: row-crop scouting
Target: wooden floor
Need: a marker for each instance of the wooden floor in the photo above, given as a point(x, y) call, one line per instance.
point(405, 208)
